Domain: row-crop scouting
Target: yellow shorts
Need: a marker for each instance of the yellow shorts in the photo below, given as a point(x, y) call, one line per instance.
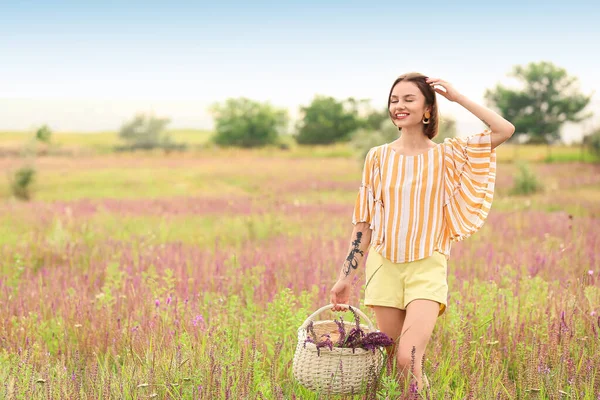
point(397, 284)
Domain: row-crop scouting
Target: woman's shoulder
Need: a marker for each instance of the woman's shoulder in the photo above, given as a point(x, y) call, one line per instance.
point(374, 153)
point(476, 137)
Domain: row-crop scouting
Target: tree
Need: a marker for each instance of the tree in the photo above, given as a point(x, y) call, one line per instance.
point(43, 134)
point(327, 121)
point(243, 122)
point(146, 132)
point(548, 99)
point(21, 182)
point(374, 118)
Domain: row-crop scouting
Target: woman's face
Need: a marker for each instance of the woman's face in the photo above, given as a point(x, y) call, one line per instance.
point(407, 104)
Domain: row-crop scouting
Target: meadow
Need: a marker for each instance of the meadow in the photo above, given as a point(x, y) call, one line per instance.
point(187, 275)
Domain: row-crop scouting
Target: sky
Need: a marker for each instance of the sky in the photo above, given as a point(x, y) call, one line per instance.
point(90, 66)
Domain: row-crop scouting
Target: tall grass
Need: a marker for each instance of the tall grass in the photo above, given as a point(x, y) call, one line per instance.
point(106, 294)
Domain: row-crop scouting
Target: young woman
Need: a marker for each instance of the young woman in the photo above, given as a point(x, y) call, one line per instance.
point(416, 198)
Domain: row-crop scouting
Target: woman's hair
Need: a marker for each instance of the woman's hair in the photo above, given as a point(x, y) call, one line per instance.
point(418, 79)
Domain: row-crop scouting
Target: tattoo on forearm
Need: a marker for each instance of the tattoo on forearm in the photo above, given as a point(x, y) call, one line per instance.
point(351, 260)
point(486, 124)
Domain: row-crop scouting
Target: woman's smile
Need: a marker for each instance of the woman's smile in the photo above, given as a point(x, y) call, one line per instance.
point(401, 116)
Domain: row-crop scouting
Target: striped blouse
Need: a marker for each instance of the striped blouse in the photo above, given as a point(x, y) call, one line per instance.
point(419, 204)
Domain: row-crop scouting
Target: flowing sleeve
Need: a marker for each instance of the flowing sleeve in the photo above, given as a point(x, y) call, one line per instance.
point(470, 175)
point(368, 206)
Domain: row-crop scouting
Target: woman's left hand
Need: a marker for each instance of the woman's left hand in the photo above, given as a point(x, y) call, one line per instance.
point(449, 92)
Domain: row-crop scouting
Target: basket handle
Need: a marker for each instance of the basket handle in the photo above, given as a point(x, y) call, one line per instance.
point(330, 306)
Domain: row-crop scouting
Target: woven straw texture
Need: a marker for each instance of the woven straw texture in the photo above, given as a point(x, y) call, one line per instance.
point(337, 371)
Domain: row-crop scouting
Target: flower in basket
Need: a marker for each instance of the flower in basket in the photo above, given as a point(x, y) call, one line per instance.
point(355, 339)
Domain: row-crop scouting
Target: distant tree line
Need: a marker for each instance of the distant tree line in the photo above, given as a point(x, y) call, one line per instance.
point(244, 122)
point(547, 98)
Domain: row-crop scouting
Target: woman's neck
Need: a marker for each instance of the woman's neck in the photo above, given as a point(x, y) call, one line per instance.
point(413, 138)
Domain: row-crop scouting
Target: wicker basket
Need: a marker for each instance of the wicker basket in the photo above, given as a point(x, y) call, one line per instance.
point(340, 370)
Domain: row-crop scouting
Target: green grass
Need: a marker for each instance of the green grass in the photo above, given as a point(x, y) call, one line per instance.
point(104, 142)
point(127, 183)
point(198, 230)
point(191, 136)
point(87, 284)
point(582, 156)
point(154, 229)
point(14, 230)
point(509, 152)
point(101, 142)
point(260, 178)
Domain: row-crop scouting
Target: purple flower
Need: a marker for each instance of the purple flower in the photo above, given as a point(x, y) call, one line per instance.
point(373, 340)
point(308, 340)
point(324, 343)
point(590, 272)
point(543, 369)
point(311, 331)
point(168, 300)
point(562, 319)
point(353, 340)
point(414, 388)
point(356, 317)
point(341, 330)
point(198, 320)
point(157, 302)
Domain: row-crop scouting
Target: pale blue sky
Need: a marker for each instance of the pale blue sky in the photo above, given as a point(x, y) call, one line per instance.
point(89, 66)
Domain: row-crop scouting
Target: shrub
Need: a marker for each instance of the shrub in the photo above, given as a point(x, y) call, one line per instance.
point(247, 123)
point(526, 181)
point(147, 132)
point(328, 121)
point(43, 134)
point(21, 181)
point(592, 142)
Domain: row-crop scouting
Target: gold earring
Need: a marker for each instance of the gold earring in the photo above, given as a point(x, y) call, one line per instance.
point(426, 118)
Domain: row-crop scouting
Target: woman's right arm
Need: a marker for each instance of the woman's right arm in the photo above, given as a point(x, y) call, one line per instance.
point(360, 242)
point(361, 234)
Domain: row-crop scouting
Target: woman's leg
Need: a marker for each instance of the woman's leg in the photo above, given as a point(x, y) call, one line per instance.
point(390, 321)
point(420, 319)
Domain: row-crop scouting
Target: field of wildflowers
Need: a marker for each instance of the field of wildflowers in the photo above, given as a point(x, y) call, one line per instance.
point(187, 277)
